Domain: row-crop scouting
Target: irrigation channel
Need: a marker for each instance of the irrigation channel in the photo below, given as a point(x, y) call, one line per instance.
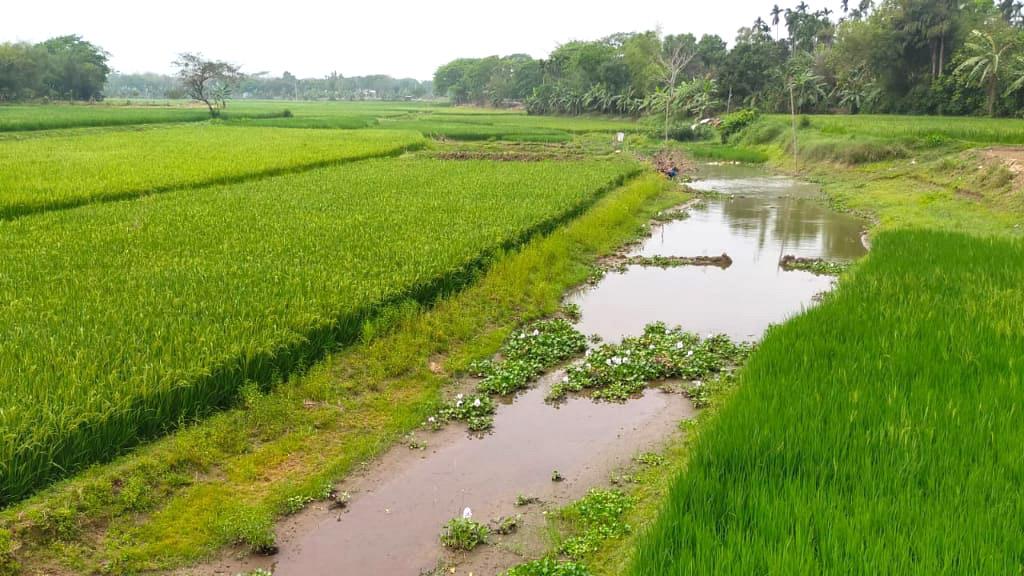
point(399, 503)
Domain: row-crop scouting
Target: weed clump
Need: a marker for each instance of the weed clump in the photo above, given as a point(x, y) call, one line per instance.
point(464, 534)
point(596, 517)
point(549, 567)
point(616, 372)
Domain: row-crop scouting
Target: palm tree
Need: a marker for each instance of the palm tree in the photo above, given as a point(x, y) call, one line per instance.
point(846, 6)
point(776, 11)
point(802, 7)
point(983, 67)
point(1019, 72)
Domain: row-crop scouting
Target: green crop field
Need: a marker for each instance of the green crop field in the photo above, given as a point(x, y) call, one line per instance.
point(919, 128)
point(19, 117)
point(120, 319)
point(880, 433)
point(71, 169)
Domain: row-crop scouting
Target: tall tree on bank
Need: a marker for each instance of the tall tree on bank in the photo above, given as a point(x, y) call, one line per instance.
point(676, 54)
point(208, 81)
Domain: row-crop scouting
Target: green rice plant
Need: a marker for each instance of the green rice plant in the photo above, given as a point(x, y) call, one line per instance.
point(878, 433)
point(926, 130)
point(73, 169)
point(121, 320)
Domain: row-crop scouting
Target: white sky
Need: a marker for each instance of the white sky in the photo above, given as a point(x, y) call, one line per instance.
point(403, 38)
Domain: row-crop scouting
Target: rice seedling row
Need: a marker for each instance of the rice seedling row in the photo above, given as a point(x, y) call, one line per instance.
point(120, 320)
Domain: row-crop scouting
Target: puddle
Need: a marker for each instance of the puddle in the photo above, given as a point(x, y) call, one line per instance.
point(774, 217)
point(393, 521)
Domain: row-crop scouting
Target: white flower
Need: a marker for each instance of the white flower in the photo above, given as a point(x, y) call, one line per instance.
point(536, 332)
point(431, 419)
point(467, 513)
point(476, 403)
point(697, 383)
point(458, 396)
point(679, 345)
point(608, 361)
point(565, 378)
point(689, 353)
point(458, 404)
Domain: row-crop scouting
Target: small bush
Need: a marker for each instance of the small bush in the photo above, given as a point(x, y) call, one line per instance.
point(286, 113)
point(735, 122)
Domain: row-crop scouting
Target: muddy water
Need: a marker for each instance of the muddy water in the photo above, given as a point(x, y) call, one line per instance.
point(766, 218)
point(398, 507)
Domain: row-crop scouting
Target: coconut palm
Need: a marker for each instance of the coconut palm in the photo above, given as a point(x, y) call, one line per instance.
point(985, 65)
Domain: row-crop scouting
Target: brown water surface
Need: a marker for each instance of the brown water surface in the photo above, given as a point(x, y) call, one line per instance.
point(767, 218)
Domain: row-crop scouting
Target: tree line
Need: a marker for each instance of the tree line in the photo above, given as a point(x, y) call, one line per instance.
point(64, 68)
point(261, 85)
point(70, 68)
point(957, 57)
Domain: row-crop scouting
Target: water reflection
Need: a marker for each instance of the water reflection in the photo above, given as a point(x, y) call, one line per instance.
point(768, 218)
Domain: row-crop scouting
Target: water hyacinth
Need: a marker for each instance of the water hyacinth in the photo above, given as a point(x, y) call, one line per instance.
point(618, 371)
point(527, 353)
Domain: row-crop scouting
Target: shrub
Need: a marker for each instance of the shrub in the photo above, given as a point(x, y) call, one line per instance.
point(735, 122)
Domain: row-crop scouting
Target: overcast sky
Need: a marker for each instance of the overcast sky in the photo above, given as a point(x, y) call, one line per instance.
point(397, 37)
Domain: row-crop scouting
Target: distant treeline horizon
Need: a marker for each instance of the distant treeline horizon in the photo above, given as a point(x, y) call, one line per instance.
point(948, 57)
point(71, 68)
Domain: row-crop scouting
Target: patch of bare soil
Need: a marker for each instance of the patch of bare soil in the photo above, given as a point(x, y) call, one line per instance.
point(1010, 157)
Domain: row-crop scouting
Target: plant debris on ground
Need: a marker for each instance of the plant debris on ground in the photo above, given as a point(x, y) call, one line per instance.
point(813, 265)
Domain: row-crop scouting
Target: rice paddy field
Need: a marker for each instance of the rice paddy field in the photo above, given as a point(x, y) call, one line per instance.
point(204, 302)
point(922, 129)
point(72, 169)
point(879, 433)
point(15, 118)
point(122, 318)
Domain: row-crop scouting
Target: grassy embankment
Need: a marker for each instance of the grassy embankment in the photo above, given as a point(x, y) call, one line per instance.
point(225, 480)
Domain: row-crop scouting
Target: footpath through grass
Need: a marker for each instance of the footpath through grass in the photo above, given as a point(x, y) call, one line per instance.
point(226, 479)
point(879, 433)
